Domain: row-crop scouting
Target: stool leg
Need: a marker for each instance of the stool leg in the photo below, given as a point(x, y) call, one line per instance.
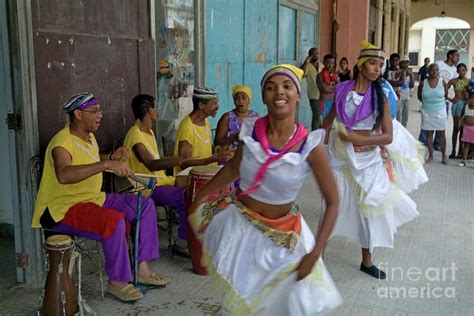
point(99, 260)
point(170, 225)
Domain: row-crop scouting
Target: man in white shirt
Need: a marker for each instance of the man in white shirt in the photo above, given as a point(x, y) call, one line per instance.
point(448, 71)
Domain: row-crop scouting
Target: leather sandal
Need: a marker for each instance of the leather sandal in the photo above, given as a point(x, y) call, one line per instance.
point(128, 293)
point(153, 279)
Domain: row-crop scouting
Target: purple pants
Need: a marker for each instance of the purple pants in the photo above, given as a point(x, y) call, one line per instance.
point(117, 260)
point(174, 198)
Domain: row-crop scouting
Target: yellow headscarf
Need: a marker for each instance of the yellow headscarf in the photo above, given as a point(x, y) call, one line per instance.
point(292, 72)
point(242, 88)
point(367, 51)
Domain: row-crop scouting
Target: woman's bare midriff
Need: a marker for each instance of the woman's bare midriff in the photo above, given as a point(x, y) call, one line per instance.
point(362, 132)
point(267, 210)
point(469, 120)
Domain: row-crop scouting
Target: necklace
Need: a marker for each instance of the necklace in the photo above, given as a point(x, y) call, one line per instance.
point(288, 140)
point(205, 141)
point(291, 136)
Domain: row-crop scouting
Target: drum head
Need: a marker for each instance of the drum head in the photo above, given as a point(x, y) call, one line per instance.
point(59, 240)
point(205, 170)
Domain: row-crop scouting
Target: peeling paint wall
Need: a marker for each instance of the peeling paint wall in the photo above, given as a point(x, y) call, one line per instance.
point(101, 46)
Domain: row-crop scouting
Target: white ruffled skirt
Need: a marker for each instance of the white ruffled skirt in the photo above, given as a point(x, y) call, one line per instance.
point(256, 274)
point(407, 155)
point(371, 207)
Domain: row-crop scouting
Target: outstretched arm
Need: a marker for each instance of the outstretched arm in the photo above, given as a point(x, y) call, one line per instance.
point(152, 164)
point(185, 151)
point(319, 161)
point(227, 174)
point(67, 173)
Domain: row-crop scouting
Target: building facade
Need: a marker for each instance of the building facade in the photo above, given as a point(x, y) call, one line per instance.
point(163, 48)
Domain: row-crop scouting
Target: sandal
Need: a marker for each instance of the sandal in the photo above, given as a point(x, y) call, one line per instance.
point(452, 156)
point(444, 161)
point(154, 279)
point(180, 251)
point(128, 293)
point(430, 159)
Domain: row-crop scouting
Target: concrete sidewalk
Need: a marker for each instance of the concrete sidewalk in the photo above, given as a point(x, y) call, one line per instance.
point(440, 240)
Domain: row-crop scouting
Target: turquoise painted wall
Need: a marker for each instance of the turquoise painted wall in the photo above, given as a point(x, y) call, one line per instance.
point(241, 42)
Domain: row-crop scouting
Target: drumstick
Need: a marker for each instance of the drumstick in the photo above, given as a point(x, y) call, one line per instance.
point(144, 175)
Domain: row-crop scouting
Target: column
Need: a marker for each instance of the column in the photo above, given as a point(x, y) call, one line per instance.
point(379, 27)
point(387, 23)
point(407, 32)
point(395, 28)
point(403, 48)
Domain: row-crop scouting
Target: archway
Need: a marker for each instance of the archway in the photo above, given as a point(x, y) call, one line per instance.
point(434, 37)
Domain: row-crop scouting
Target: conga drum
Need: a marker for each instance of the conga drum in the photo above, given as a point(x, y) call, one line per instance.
point(198, 178)
point(59, 293)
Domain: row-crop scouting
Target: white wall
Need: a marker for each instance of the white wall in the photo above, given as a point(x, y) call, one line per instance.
point(422, 37)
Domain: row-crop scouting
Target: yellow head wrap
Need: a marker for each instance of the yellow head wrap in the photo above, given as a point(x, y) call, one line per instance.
point(292, 72)
point(242, 88)
point(368, 51)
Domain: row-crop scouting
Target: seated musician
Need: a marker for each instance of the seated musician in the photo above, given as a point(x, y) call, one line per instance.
point(145, 158)
point(70, 200)
point(194, 139)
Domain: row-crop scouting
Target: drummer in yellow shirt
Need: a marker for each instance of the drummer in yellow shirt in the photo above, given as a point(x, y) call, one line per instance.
point(70, 200)
point(194, 139)
point(145, 158)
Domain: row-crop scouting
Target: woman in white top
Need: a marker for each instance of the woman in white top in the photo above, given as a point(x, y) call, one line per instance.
point(256, 242)
point(371, 205)
point(432, 94)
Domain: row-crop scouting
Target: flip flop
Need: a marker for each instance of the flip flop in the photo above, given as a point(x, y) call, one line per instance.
point(430, 159)
point(154, 279)
point(444, 161)
point(128, 293)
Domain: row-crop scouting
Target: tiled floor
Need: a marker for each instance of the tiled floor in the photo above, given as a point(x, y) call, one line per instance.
point(440, 237)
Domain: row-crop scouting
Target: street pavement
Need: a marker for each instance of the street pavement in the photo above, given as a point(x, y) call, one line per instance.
point(429, 270)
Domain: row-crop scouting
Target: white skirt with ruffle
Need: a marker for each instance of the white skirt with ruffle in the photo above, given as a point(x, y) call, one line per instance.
point(371, 207)
point(407, 155)
point(257, 275)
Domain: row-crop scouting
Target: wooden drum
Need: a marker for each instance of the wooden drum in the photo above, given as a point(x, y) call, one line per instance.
point(59, 292)
point(198, 178)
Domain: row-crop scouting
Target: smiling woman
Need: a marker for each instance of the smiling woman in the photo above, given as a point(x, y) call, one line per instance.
point(256, 244)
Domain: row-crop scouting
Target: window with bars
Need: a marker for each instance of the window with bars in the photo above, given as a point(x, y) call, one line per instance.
point(447, 40)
